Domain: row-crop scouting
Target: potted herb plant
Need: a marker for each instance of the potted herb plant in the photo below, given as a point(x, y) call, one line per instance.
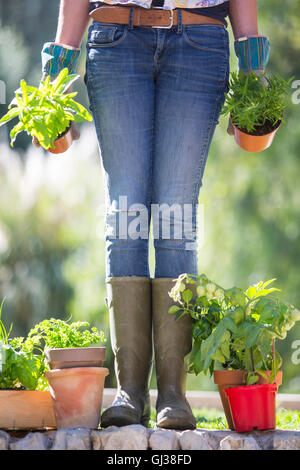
point(234, 332)
point(68, 345)
point(24, 401)
point(76, 376)
point(255, 104)
point(47, 112)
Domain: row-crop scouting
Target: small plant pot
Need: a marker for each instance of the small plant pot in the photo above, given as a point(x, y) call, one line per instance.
point(75, 357)
point(226, 379)
point(254, 143)
point(26, 409)
point(253, 407)
point(77, 396)
point(63, 143)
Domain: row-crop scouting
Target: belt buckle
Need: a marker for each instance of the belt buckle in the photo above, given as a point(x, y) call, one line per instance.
point(171, 20)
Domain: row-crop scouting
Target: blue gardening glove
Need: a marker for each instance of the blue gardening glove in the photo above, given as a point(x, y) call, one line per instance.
point(56, 57)
point(253, 53)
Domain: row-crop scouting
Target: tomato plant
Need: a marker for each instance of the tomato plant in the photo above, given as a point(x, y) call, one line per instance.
point(234, 327)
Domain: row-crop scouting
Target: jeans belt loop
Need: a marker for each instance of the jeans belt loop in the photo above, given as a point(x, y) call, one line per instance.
point(130, 23)
point(179, 27)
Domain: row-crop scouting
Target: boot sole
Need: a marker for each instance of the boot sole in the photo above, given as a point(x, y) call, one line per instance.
point(175, 419)
point(175, 423)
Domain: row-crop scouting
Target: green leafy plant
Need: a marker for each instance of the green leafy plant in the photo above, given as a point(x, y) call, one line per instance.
point(45, 112)
point(22, 360)
point(56, 333)
point(21, 363)
point(253, 104)
point(4, 335)
point(233, 327)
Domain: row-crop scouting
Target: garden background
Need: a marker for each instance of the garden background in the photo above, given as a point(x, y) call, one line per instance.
point(51, 207)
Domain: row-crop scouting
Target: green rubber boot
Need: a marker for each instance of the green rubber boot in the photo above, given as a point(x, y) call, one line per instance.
point(129, 303)
point(172, 342)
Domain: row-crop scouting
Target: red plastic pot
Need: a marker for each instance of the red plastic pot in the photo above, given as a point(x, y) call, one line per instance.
point(236, 378)
point(253, 407)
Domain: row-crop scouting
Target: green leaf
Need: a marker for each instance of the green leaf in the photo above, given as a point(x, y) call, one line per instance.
point(11, 114)
point(15, 131)
point(173, 309)
point(249, 331)
point(252, 378)
point(187, 295)
point(212, 343)
point(81, 114)
point(229, 324)
point(252, 336)
point(235, 296)
point(263, 373)
point(60, 79)
point(24, 92)
point(218, 356)
point(195, 360)
point(267, 283)
point(180, 314)
point(68, 82)
point(225, 346)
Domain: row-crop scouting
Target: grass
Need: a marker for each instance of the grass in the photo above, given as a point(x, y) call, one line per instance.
point(210, 418)
point(215, 419)
point(287, 419)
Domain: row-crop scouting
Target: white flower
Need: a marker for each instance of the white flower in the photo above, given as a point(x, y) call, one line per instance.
point(201, 291)
point(211, 288)
point(219, 294)
point(174, 294)
point(296, 314)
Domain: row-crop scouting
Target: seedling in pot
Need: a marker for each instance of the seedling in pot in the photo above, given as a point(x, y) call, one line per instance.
point(76, 378)
point(46, 112)
point(234, 331)
point(256, 104)
point(233, 327)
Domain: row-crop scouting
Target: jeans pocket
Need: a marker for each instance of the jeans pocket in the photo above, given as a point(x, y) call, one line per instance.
point(212, 38)
point(106, 34)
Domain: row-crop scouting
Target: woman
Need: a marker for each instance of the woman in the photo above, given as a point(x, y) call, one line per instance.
point(156, 75)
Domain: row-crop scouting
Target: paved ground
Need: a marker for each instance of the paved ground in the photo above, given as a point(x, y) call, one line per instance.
point(137, 437)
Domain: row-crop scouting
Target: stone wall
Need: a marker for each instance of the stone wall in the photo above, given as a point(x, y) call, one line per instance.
point(137, 437)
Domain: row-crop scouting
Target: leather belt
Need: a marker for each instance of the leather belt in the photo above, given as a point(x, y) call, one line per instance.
point(154, 17)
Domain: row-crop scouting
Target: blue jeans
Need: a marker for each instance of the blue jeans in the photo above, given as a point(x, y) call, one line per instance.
point(155, 95)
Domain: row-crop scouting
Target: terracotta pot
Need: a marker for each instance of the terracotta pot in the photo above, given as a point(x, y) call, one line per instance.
point(235, 378)
point(75, 357)
point(254, 143)
point(63, 143)
point(77, 396)
point(25, 409)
